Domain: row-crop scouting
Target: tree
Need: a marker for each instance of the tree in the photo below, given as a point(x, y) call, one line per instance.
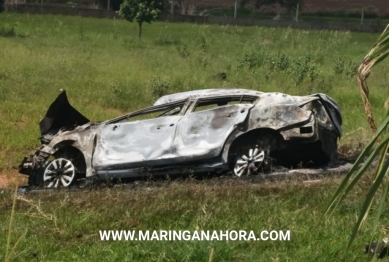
point(377, 147)
point(141, 11)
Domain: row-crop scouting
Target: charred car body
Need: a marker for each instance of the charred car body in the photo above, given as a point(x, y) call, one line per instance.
point(244, 131)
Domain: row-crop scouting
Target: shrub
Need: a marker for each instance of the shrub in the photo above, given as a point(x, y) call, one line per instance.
point(7, 31)
point(252, 58)
point(338, 66)
point(351, 68)
point(282, 62)
point(302, 68)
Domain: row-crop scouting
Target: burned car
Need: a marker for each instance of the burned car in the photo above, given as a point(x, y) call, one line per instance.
point(212, 130)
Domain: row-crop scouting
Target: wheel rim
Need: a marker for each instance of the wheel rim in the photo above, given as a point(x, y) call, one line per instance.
point(247, 165)
point(59, 173)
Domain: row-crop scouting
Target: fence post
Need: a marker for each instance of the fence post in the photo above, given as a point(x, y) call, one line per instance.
point(297, 13)
point(172, 7)
point(362, 15)
point(236, 8)
point(108, 4)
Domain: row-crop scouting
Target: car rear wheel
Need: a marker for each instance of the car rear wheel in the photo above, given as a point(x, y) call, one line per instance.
point(60, 172)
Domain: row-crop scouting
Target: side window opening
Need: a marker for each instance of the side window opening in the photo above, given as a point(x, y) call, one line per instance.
point(154, 114)
point(172, 112)
point(161, 113)
point(209, 104)
point(203, 107)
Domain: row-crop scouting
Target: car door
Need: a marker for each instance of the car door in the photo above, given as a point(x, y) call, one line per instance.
point(127, 144)
point(203, 130)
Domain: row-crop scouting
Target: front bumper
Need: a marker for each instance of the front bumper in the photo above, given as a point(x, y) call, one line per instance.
point(26, 167)
point(33, 166)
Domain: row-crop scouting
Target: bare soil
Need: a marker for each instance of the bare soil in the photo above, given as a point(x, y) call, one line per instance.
point(12, 178)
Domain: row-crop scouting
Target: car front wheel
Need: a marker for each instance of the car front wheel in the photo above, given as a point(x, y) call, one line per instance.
point(60, 172)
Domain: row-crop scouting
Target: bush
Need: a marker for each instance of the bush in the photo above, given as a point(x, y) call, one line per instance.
point(7, 31)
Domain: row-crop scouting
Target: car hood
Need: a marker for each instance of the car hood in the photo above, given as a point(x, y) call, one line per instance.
point(61, 114)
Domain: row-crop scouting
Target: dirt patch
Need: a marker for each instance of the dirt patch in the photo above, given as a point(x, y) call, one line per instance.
point(12, 178)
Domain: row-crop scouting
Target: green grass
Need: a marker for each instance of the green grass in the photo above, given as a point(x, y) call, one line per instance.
point(65, 226)
point(108, 71)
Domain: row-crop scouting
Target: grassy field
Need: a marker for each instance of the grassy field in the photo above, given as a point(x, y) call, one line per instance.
point(65, 226)
point(108, 71)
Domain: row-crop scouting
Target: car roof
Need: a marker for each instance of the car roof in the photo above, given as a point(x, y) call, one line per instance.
point(206, 93)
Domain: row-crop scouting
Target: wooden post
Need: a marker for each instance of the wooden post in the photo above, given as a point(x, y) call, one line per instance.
point(108, 4)
point(297, 13)
point(362, 15)
point(172, 7)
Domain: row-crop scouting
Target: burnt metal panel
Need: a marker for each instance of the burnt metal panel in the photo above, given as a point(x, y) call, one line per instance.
point(201, 135)
point(61, 114)
point(333, 110)
point(82, 138)
point(138, 143)
point(278, 116)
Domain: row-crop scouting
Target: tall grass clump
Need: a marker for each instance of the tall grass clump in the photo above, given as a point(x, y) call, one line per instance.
point(7, 30)
point(272, 63)
point(10, 250)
